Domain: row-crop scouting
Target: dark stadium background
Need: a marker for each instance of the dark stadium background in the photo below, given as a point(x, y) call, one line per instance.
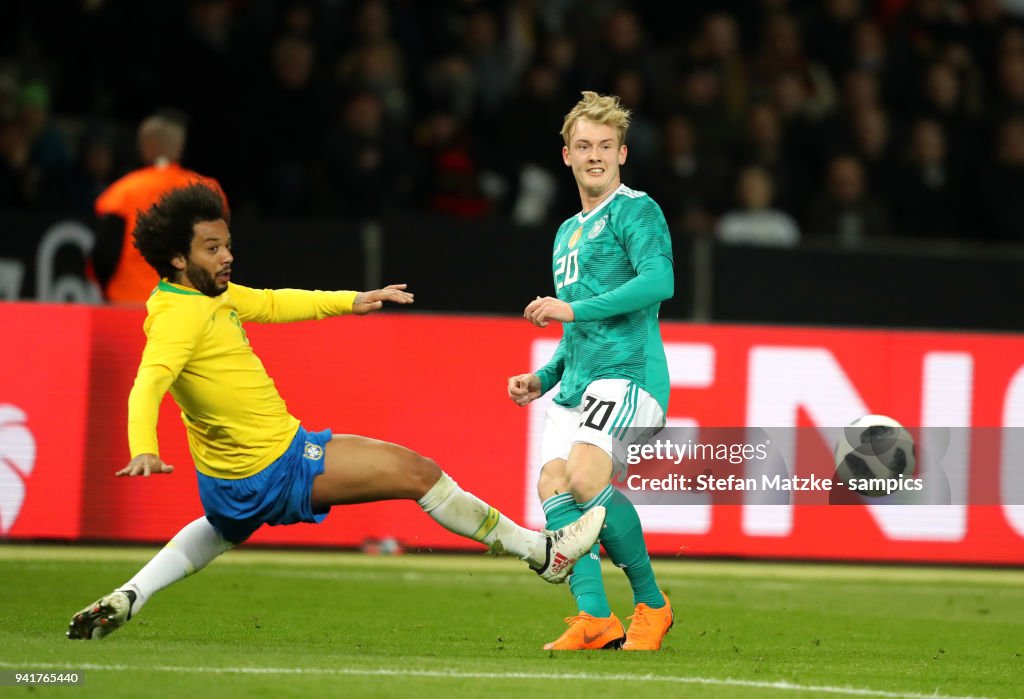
point(363, 142)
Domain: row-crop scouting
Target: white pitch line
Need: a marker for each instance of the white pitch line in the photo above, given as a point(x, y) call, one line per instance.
point(440, 674)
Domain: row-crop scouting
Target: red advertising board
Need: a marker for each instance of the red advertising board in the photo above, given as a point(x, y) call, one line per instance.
point(437, 385)
point(44, 394)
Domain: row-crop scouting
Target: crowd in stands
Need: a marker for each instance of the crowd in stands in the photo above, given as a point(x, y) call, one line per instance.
point(760, 121)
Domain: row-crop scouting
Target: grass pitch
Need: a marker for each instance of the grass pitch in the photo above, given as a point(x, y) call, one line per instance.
point(297, 624)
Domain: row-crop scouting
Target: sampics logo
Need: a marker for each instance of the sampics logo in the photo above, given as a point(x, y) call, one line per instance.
point(17, 457)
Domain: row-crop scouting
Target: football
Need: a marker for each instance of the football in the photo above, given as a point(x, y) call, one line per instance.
point(870, 451)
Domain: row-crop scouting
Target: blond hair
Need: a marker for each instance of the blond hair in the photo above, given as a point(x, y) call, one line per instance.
point(600, 109)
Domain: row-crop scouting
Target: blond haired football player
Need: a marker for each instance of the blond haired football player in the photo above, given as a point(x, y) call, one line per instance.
point(612, 265)
point(256, 463)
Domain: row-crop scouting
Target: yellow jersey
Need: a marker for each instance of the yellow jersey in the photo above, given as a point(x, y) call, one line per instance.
point(196, 347)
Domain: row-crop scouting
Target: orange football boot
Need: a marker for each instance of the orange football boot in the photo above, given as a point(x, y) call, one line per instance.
point(588, 632)
point(649, 626)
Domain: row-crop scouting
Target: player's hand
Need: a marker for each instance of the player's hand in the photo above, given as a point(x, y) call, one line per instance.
point(541, 310)
point(370, 301)
point(523, 388)
point(145, 464)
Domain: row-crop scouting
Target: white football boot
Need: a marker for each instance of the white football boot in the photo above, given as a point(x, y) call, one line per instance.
point(566, 545)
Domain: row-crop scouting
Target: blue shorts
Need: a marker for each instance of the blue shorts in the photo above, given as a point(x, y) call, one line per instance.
point(279, 494)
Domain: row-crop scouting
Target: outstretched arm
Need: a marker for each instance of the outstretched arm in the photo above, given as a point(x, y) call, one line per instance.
point(290, 305)
point(370, 301)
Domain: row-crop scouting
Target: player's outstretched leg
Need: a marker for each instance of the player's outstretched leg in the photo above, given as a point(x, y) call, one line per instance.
point(360, 469)
point(190, 550)
point(551, 554)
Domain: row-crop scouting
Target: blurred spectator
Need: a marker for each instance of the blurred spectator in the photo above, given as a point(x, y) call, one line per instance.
point(533, 168)
point(124, 276)
point(14, 172)
point(303, 18)
point(450, 182)
point(561, 52)
point(844, 211)
point(643, 139)
point(762, 145)
point(689, 186)
point(870, 53)
point(375, 61)
point(872, 140)
point(944, 101)
point(49, 155)
point(923, 29)
point(204, 75)
point(927, 200)
point(860, 93)
point(988, 20)
point(830, 31)
point(802, 129)
point(1009, 96)
point(781, 50)
point(93, 170)
point(718, 47)
point(366, 166)
point(495, 65)
point(622, 43)
point(753, 221)
point(449, 83)
point(1002, 207)
point(287, 118)
point(698, 95)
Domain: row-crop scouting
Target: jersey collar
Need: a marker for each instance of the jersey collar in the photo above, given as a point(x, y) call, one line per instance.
point(164, 285)
point(583, 217)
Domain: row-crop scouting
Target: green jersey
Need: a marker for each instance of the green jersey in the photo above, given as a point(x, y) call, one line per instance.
point(613, 265)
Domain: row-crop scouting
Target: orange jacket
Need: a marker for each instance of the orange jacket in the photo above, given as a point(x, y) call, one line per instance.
point(133, 279)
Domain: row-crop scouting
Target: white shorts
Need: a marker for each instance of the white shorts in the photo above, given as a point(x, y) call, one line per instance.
point(614, 413)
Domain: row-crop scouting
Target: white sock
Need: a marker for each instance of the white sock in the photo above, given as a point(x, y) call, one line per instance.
point(466, 514)
point(190, 550)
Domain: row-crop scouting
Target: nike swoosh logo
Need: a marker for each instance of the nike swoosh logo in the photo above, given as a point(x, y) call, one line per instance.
point(587, 638)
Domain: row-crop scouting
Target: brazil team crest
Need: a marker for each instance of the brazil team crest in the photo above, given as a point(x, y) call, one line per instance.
point(313, 451)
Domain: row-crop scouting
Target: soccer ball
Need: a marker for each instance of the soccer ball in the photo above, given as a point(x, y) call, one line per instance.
point(874, 447)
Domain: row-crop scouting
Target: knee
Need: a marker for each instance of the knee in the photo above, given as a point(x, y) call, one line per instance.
point(551, 482)
point(423, 474)
point(583, 486)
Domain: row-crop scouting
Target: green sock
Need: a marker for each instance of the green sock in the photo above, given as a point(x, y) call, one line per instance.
point(585, 581)
point(623, 539)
